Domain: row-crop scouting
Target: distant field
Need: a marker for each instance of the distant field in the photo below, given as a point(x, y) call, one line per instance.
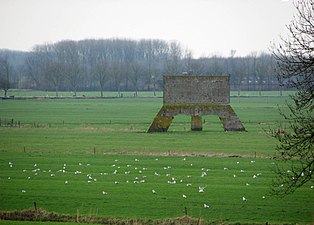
point(56, 138)
point(32, 93)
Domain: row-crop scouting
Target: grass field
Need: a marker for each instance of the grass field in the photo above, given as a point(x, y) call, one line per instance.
point(55, 157)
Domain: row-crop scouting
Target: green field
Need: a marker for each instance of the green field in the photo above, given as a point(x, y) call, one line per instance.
point(65, 155)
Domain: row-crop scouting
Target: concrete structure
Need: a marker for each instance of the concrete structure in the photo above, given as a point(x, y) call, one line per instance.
point(196, 96)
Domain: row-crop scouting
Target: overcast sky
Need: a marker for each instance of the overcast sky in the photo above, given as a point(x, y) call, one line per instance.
point(206, 27)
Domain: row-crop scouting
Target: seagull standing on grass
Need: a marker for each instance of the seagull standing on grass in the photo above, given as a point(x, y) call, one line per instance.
point(201, 189)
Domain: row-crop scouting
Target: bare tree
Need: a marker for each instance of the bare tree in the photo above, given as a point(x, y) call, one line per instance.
point(295, 57)
point(53, 74)
point(70, 57)
point(136, 74)
point(6, 70)
point(100, 72)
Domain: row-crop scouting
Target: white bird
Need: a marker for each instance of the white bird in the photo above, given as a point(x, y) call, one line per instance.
point(184, 196)
point(242, 171)
point(201, 189)
point(188, 185)
point(263, 197)
point(225, 168)
point(254, 176)
point(247, 184)
point(206, 206)
point(203, 174)
point(66, 182)
point(243, 198)
point(104, 193)
point(154, 192)
point(234, 175)
point(23, 191)
point(116, 182)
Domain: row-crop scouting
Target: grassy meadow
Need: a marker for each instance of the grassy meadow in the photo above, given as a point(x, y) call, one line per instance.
point(94, 157)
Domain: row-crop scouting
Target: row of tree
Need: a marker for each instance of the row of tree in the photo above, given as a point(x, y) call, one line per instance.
point(123, 64)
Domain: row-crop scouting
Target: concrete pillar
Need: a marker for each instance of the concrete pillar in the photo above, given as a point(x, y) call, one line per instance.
point(196, 123)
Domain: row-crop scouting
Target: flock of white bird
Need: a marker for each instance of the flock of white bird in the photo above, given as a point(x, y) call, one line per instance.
point(140, 175)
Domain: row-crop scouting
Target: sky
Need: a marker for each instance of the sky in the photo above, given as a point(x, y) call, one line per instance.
point(206, 27)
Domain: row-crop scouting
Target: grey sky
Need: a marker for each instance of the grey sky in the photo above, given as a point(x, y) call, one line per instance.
point(205, 26)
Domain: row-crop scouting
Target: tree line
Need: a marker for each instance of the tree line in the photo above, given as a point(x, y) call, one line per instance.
point(125, 65)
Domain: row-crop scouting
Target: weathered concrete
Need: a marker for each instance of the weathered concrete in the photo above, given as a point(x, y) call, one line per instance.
point(196, 96)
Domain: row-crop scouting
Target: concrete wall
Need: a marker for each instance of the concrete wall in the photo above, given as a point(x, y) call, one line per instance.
point(196, 89)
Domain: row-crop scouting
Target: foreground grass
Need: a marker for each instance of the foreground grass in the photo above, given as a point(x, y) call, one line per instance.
point(122, 186)
point(61, 137)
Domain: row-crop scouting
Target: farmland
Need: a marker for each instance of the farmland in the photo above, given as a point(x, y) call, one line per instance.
point(94, 157)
